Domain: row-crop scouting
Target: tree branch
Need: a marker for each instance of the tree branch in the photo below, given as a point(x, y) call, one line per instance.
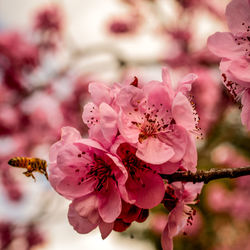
point(206, 176)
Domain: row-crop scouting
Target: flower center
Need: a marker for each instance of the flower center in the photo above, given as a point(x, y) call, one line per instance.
point(99, 171)
point(134, 165)
point(235, 89)
point(153, 120)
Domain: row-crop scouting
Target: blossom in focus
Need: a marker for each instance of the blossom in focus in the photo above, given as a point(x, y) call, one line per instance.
point(234, 49)
point(181, 214)
point(83, 171)
point(136, 132)
point(160, 121)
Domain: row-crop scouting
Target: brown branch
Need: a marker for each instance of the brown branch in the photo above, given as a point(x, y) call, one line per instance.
point(206, 176)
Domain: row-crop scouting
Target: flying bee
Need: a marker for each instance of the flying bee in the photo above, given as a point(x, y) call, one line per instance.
point(31, 164)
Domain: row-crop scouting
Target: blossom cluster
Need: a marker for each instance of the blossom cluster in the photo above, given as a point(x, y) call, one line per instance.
point(234, 49)
point(136, 132)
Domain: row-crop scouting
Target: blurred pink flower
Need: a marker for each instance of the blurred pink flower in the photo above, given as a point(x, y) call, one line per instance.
point(124, 25)
point(48, 25)
point(42, 109)
point(49, 19)
point(94, 179)
point(17, 57)
point(158, 222)
point(218, 198)
point(234, 48)
point(206, 92)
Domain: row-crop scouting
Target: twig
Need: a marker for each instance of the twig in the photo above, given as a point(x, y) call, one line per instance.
point(206, 176)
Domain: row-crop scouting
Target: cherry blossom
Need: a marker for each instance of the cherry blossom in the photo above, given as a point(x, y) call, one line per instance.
point(82, 170)
point(160, 121)
point(176, 199)
point(99, 115)
point(234, 49)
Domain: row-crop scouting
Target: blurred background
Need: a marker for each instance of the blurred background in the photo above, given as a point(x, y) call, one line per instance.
point(51, 50)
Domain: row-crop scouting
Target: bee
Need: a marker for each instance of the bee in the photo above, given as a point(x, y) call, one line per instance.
point(31, 164)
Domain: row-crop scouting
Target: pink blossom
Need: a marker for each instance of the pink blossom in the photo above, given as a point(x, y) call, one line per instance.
point(145, 188)
point(99, 115)
point(82, 170)
point(159, 121)
point(181, 214)
point(234, 49)
point(49, 19)
point(48, 25)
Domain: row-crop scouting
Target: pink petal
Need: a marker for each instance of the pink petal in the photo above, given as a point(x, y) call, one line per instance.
point(240, 70)
point(183, 112)
point(189, 161)
point(90, 114)
point(87, 207)
point(120, 172)
point(166, 79)
point(193, 190)
point(153, 151)
point(108, 122)
point(166, 168)
point(245, 114)
point(69, 187)
point(177, 140)
point(129, 97)
point(166, 76)
point(157, 94)
point(110, 202)
point(166, 241)
point(81, 144)
point(95, 133)
point(238, 12)
point(80, 224)
point(68, 135)
point(55, 175)
point(176, 221)
point(68, 160)
point(105, 229)
point(148, 192)
point(223, 44)
point(185, 85)
point(100, 93)
point(128, 131)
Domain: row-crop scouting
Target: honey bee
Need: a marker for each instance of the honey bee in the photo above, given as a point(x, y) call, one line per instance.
point(31, 164)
